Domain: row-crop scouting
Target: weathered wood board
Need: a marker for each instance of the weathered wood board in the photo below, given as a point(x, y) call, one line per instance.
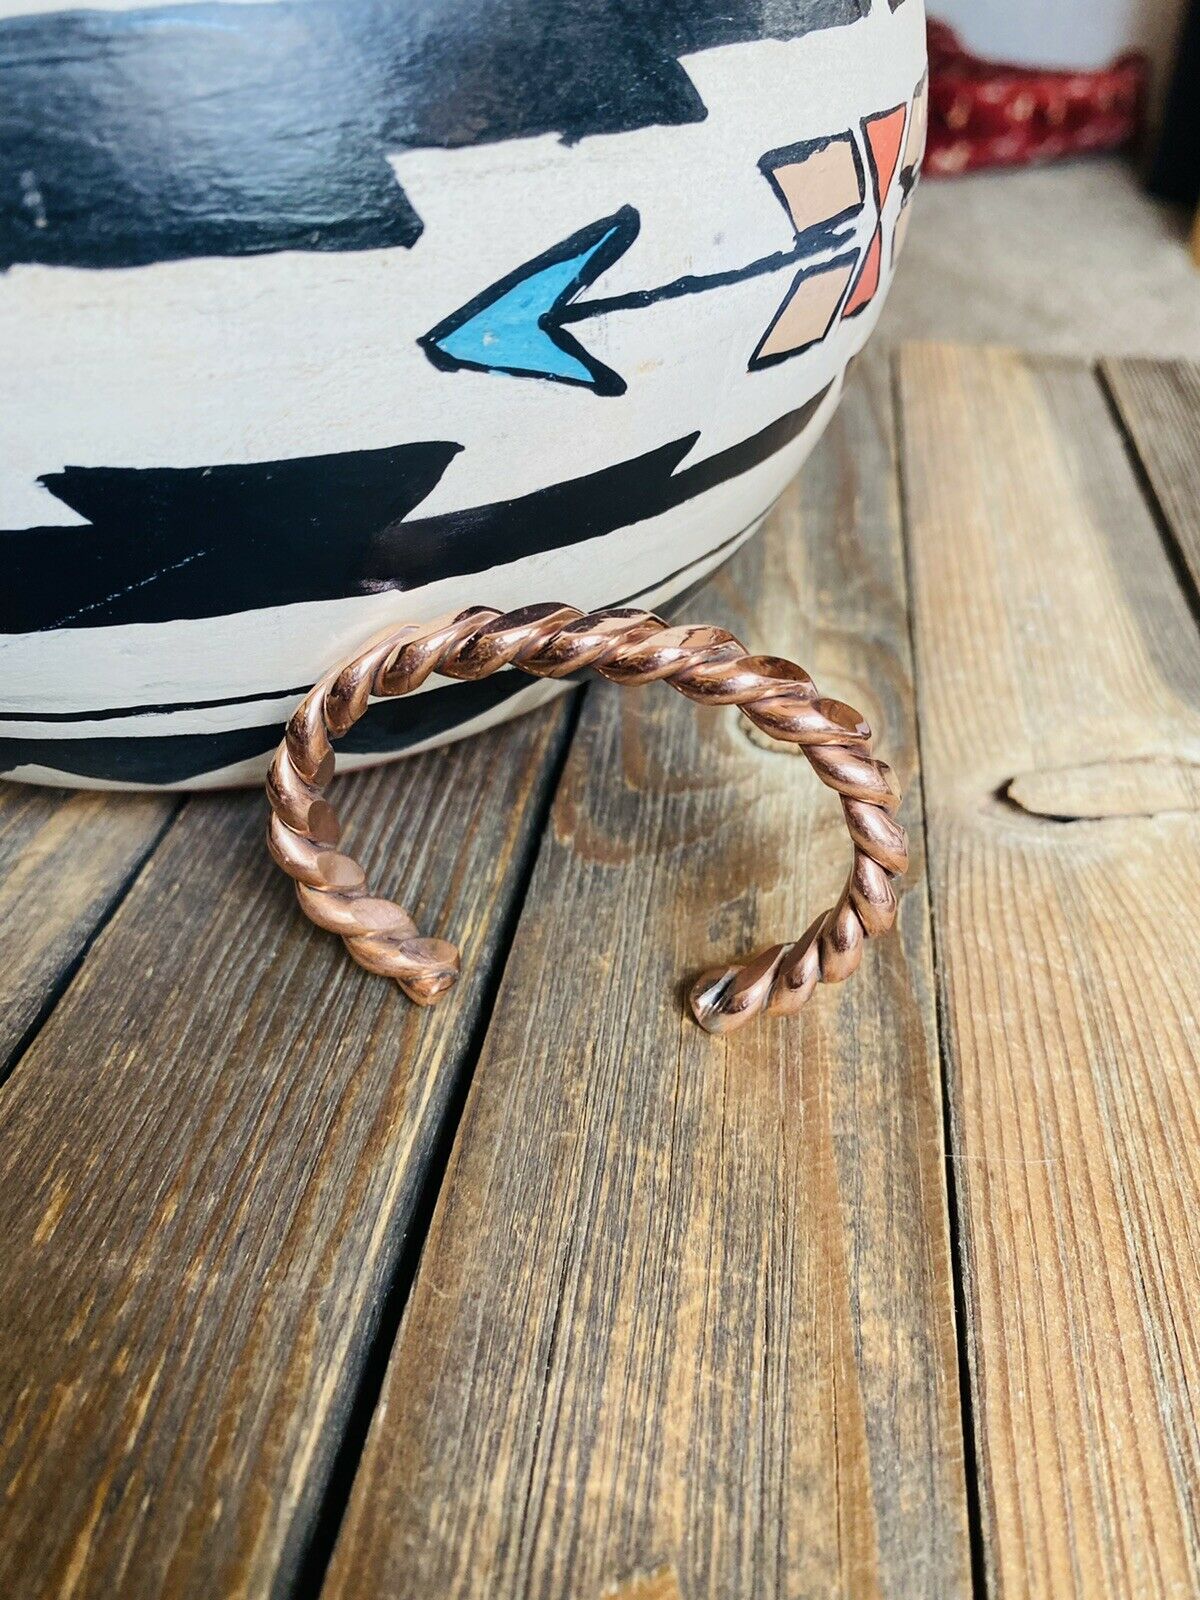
point(684, 1322)
point(1159, 404)
point(210, 1157)
point(65, 858)
point(1056, 657)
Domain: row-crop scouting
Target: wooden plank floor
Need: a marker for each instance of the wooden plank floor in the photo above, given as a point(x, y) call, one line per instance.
point(718, 1340)
point(211, 1155)
point(1059, 682)
point(545, 1294)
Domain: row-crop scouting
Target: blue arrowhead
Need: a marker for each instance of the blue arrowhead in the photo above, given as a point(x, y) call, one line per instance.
point(514, 326)
point(507, 333)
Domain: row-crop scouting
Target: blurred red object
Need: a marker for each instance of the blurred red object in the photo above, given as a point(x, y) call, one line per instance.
point(993, 114)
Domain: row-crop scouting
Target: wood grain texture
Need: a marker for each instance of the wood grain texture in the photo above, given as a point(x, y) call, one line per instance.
point(64, 859)
point(1052, 636)
point(1159, 403)
point(685, 1314)
point(210, 1158)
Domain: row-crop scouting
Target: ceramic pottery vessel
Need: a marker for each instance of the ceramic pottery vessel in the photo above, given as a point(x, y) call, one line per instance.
point(319, 315)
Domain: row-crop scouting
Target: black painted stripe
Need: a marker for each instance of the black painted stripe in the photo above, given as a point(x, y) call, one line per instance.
point(165, 132)
point(169, 758)
point(169, 542)
point(164, 543)
point(387, 728)
point(263, 696)
point(161, 708)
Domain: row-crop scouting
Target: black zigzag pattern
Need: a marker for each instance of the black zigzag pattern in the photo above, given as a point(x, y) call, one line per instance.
point(165, 132)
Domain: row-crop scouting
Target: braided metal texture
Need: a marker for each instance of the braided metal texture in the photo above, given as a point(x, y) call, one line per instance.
point(708, 665)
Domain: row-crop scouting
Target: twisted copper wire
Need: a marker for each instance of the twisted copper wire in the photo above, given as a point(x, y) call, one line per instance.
point(707, 665)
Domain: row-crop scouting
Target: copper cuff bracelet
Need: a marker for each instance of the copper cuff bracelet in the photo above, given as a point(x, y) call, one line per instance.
point(707, 665)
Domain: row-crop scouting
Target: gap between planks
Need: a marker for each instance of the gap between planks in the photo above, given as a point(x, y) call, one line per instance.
point(67, 860)
point(1058, 671)
point(1158, 406)
point(686, 1305)
point(214, 1150)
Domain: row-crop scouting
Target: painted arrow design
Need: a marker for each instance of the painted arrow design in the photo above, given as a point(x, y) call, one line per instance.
point(517, 325)
point(521, 325)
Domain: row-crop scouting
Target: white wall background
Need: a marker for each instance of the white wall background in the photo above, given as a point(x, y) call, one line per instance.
point(1067, 33)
